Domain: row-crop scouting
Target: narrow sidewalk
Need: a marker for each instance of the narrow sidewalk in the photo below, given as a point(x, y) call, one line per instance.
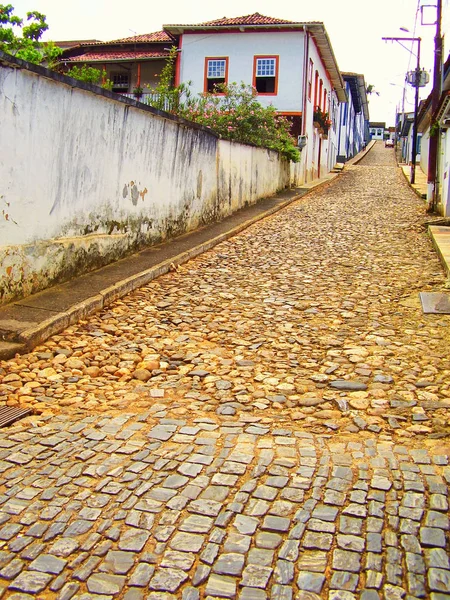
point(440, 235)
point(28, 322)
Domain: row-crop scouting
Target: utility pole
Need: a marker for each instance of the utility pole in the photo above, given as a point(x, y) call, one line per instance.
point(435, 97)
point(416, 110)
point(416, 81)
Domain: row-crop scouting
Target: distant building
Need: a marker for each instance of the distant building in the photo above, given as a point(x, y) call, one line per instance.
point(353, 129)
point(377, 130)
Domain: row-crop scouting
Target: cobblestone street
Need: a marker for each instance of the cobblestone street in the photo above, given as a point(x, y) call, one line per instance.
point(269, 421)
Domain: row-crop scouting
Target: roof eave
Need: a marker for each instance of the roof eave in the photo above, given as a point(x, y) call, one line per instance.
point(326, 51)
point(315, 27)
point(362, 91)
point(114, 60)
point(180, 29)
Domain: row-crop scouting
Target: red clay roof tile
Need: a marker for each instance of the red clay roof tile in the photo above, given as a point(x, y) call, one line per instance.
point(157, 36)
point(254, 19)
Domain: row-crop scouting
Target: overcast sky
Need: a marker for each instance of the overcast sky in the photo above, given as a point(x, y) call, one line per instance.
point(355, 28)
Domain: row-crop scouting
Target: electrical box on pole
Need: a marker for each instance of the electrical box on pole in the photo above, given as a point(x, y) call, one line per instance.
point(418, 78)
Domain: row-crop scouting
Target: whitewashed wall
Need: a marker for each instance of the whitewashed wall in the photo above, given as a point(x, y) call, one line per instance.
point(316, 144)
point(87, 178)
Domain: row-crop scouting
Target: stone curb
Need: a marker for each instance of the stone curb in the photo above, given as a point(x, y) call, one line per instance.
point(433, 231)
point(34, 336)
point(414, 186)
point(356, 159)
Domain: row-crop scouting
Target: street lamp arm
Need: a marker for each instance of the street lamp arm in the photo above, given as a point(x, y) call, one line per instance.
point(405, 39)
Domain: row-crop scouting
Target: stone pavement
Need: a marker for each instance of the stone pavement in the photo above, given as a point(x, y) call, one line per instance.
point(270, 420)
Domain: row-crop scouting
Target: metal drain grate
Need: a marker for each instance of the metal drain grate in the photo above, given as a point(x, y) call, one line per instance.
point(9, 415)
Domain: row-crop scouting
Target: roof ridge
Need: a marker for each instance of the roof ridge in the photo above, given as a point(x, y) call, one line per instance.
point(255, 18)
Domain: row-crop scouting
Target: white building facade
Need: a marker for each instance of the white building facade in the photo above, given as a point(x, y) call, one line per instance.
point(353, 131)
point(291, 65)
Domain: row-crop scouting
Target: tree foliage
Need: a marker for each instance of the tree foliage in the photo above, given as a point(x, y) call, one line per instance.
point(90, 75)
point(28, 45)
point(233, 112)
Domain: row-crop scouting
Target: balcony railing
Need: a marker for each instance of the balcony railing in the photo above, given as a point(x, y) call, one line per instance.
point(153, 100)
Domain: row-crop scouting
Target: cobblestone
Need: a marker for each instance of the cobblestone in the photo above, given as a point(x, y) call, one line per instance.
point(120, 488)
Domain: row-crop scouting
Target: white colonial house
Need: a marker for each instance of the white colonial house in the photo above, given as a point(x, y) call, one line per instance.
point(377, 130)
point(353, 130)
point(291, 65)
point(441, 129)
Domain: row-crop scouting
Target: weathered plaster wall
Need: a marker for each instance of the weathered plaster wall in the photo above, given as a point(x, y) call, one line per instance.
point(87, 178)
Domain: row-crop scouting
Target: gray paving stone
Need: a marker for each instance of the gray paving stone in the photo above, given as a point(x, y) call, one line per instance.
point(209, 508)
point(265, 492)
point(256, 576)
point(78, 527)
point(374, 579)
point(86, 569)
point(325, 513)
point(221, 586)
point(64, 547)
point(369, 595)
point(350, 542)
point(437, 557)
point(133, 540)
point(68, 591)
point(141, 575)
point(236, 542)
point(321, 526)
point(341, 595)
point(175, 481)
point(190, 593)
point(438, 580)
point(9, 531)
point(31, 582)
point(312, 560)
point(118, 562)
point(343, 580)
point(374, 542)
point(415, 563)
point(317, 541)
point(429, 536)
point(277, 524)
point(245, 524)
point(344, 560)
point(260, 556)
point(350, 525)
point(187, 542)
point(134, 593)
point(201, 574)
point(46, 563)
point(248, 593)
point(105, 584)
point(267, 539)
point(436, 519)
point(167, 580)
point(229, 564)
point(289, 550)
point(281, 592)
point(196, 524)
point(416, 585)
point(177, 560)
point(310, 582)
